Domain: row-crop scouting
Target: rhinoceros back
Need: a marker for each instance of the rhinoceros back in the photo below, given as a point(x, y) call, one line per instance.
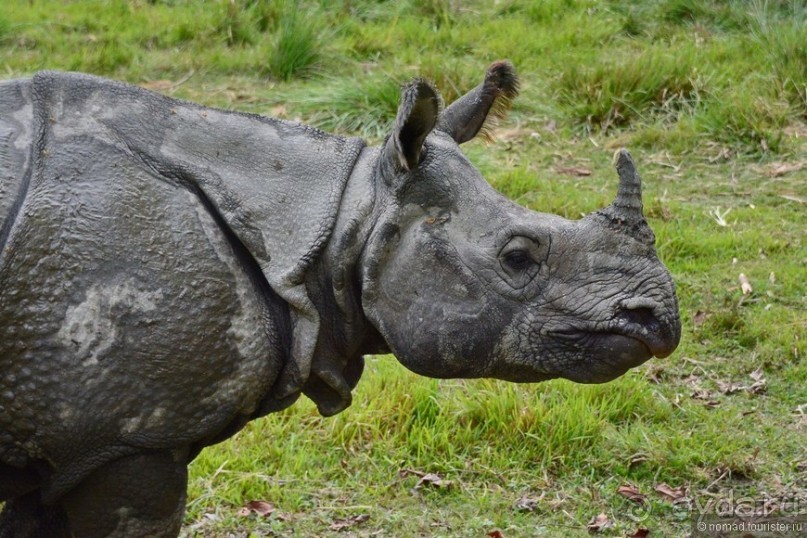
point(131, 316)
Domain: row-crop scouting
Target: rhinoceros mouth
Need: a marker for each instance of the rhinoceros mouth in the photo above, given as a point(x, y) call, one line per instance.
point(653, 338)
point(604, 355)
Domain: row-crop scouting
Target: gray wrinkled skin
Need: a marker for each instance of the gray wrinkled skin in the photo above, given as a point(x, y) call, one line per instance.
point(169, 272)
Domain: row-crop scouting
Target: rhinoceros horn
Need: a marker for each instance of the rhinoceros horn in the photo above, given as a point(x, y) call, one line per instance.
point(625, 212)
point(486, 103)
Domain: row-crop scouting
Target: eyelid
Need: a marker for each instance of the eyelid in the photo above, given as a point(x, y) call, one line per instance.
point(535, 253)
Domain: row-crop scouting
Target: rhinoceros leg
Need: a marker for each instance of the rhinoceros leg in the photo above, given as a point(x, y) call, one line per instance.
point(138, 495)
point(27, 517)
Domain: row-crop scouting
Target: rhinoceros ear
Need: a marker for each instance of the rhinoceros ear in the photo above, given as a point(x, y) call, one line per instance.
point(417, 116)
point(484, 105)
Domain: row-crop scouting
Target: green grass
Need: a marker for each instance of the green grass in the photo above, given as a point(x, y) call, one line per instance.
point(709, 96)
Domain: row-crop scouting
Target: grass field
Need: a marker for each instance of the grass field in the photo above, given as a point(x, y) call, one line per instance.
point(710, 97)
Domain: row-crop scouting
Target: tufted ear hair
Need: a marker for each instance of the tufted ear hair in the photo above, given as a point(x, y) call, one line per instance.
point(417, 116)
point(485, 104)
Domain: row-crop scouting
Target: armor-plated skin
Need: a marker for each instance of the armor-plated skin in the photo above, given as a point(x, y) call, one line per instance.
point(169, 272)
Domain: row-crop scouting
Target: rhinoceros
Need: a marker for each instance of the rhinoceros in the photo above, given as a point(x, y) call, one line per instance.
point(169, 272)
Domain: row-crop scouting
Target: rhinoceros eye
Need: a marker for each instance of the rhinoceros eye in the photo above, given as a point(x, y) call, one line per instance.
point(521, 259)
point(518, 260)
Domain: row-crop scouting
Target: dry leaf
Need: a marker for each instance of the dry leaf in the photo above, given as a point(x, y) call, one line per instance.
point(706, 396)
point(579, 171)
point(699, 318)
point(655, 374)
point(669, 493)
point(527, 504)
point(496, 534)
point(631, 493)
point(729, 387)
point(342, 524)
point(744, 284)
point(691, 379)
point(406, 472)
point(598, 523)
point(780, 169)
point(433, 480)
point(262, 508)
point(759, 385)
point(640, 533)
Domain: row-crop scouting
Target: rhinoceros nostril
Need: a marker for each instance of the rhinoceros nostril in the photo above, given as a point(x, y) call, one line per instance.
point(641, 316)
point(641, 322)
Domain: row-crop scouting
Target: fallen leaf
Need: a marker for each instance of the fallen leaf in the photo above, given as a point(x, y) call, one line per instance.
point(729, 387)
point(527, 504)
point(655, 374)
point(706, 397)
point(780, 169)
point(691, 379)
point(406, 472)
point(669, 493)
point(640, 533)
point(579, 171)
point(342, 524)
point(434, 481)
point(598, 523)
point(744, 284)
point(758, 386)
point(631, 493)
point(699, 318)
point(757, 374)
point(261, 508)
point(496, 534)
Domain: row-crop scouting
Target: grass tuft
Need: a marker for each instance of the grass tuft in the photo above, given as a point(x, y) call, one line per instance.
point(296, 46)
point(617, 92)
point(785, 43)
point(235, 25)
point(441, 12)
point(683, 11)
point(5, 30)
point(363, 105)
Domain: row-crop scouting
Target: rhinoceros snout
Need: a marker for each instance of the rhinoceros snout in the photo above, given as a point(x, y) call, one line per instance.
point(660, 334)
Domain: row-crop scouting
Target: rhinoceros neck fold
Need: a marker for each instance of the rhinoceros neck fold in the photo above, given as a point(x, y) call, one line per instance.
point(16, 134)
point(345, 333)
point(276, 186)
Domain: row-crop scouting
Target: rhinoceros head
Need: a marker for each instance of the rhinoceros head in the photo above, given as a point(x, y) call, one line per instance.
point(462, 282)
